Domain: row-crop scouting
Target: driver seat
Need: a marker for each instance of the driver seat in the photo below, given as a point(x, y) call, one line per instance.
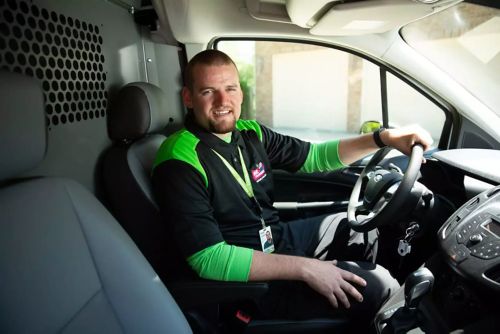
point(134, 120)
point(66, 266)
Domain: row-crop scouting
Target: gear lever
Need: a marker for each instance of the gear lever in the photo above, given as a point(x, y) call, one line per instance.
point(417, 285)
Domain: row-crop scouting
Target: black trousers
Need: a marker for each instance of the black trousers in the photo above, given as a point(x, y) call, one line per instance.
point(329, 237)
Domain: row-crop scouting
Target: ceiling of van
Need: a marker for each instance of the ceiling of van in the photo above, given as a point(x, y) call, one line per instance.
point(197, 21)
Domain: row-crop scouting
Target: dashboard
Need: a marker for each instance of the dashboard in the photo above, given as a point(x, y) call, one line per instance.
point(466, 268)
point(471, 239)
point(478, 163)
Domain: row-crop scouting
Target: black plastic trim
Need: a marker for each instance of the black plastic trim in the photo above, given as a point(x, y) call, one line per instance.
point(383, 97)
point(487, 3)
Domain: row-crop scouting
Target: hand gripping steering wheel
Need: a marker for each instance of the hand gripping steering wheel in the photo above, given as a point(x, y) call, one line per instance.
point(386, 192)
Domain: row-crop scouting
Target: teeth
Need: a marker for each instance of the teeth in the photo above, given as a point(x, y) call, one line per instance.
point(222, 112)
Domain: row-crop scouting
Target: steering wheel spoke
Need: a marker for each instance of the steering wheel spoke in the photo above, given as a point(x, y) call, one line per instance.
point(391, 190)
point(361, 209)
point(380, 205)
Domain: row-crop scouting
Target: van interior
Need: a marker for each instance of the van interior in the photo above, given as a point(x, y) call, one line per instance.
point(90, 89)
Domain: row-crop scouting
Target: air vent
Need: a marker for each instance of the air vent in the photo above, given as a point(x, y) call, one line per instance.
point(493, 192)
point(473, 204)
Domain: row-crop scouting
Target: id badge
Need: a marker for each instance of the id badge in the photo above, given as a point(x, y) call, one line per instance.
point(266, 239)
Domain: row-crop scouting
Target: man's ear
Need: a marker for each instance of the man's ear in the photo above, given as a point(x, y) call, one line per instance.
point(187, 97)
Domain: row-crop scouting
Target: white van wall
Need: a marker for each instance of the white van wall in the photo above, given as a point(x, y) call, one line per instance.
point(82, 52)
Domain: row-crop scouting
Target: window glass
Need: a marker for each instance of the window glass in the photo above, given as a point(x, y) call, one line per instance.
point(310, 92)
point(317, 93)
point(464, 41)
point(407, 106)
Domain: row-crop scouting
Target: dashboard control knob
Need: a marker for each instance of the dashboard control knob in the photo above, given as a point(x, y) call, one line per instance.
point(476, 238)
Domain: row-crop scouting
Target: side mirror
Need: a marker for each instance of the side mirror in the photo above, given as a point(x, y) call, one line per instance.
point(369, 127)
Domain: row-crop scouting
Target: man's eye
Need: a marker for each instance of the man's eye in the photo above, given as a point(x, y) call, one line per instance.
point(206, 92)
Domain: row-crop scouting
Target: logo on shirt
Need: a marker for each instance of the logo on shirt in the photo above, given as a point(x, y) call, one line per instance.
point(258, 172)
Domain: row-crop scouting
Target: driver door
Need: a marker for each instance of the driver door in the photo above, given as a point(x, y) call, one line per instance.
point(318, 93)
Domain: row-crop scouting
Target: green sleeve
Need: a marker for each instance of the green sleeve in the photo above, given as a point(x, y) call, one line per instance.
point(322, 157)
point(222, 262)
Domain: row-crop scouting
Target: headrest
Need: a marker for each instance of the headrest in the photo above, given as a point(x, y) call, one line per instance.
point(23, 133)
point(138, 109)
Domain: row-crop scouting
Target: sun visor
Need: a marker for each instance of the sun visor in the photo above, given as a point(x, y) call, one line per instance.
point(306, 13)
point(330, 18)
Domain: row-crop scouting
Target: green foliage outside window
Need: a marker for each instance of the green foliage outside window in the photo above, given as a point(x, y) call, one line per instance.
point(247, 82)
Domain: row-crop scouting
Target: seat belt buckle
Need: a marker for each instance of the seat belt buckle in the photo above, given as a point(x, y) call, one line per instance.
point(243, 317)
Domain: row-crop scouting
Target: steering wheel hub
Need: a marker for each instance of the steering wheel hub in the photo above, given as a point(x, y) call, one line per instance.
point(378, 183)
point(385, 191)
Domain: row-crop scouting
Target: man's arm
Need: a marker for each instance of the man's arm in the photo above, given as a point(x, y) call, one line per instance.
point(180, 192)
point(402, 139)
point(292, 154)
point(323, 276)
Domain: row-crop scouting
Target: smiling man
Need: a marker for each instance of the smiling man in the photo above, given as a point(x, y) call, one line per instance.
point(214, 186)
point(216, 96)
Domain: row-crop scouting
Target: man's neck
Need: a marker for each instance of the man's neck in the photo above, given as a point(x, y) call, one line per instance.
point(224, 136)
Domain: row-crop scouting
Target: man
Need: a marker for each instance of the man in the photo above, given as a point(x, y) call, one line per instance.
point(213, 183)
point(268, 243)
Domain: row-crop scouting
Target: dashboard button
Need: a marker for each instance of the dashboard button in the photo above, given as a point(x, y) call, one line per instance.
point(488, 251)
point(458, 253)
point(476, 238)
point(460, 237)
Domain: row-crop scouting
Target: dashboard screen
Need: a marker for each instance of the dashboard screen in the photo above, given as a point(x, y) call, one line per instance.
point(493, 226)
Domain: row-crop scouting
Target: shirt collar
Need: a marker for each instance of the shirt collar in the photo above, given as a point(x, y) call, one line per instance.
point(212, 140)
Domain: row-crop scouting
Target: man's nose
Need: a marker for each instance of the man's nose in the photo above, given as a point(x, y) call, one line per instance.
point(221, 97)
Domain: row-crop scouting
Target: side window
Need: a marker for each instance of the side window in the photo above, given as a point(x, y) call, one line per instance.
point(317, 93)
point(407, 106)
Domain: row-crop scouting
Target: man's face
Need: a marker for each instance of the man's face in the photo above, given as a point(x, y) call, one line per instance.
point(216, 97)
point(268, 235)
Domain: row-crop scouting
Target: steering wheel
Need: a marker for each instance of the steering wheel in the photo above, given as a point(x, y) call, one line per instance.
point(386, 191)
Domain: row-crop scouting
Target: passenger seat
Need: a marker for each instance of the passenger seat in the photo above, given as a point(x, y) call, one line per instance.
point(66, 266)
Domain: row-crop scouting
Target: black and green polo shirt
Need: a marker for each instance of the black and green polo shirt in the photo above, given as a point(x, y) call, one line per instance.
point(202, 203)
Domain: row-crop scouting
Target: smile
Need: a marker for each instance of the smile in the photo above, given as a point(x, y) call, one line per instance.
point(222, 112)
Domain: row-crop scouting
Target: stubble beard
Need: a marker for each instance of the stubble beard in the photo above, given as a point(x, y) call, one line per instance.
point(223, 126)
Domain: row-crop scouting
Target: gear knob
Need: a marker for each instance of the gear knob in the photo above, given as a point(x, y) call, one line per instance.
point(417, 285)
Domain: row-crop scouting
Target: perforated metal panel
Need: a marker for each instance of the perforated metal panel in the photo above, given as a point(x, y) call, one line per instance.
point(63, 52)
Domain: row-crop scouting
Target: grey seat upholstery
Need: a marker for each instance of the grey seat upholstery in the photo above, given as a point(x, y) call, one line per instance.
point(136, 118)
point(66, 265)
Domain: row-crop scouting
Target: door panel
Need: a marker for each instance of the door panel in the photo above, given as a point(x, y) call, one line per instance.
point(303, 195)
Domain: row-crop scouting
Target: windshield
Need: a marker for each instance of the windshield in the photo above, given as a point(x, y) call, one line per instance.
point(464, 41)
